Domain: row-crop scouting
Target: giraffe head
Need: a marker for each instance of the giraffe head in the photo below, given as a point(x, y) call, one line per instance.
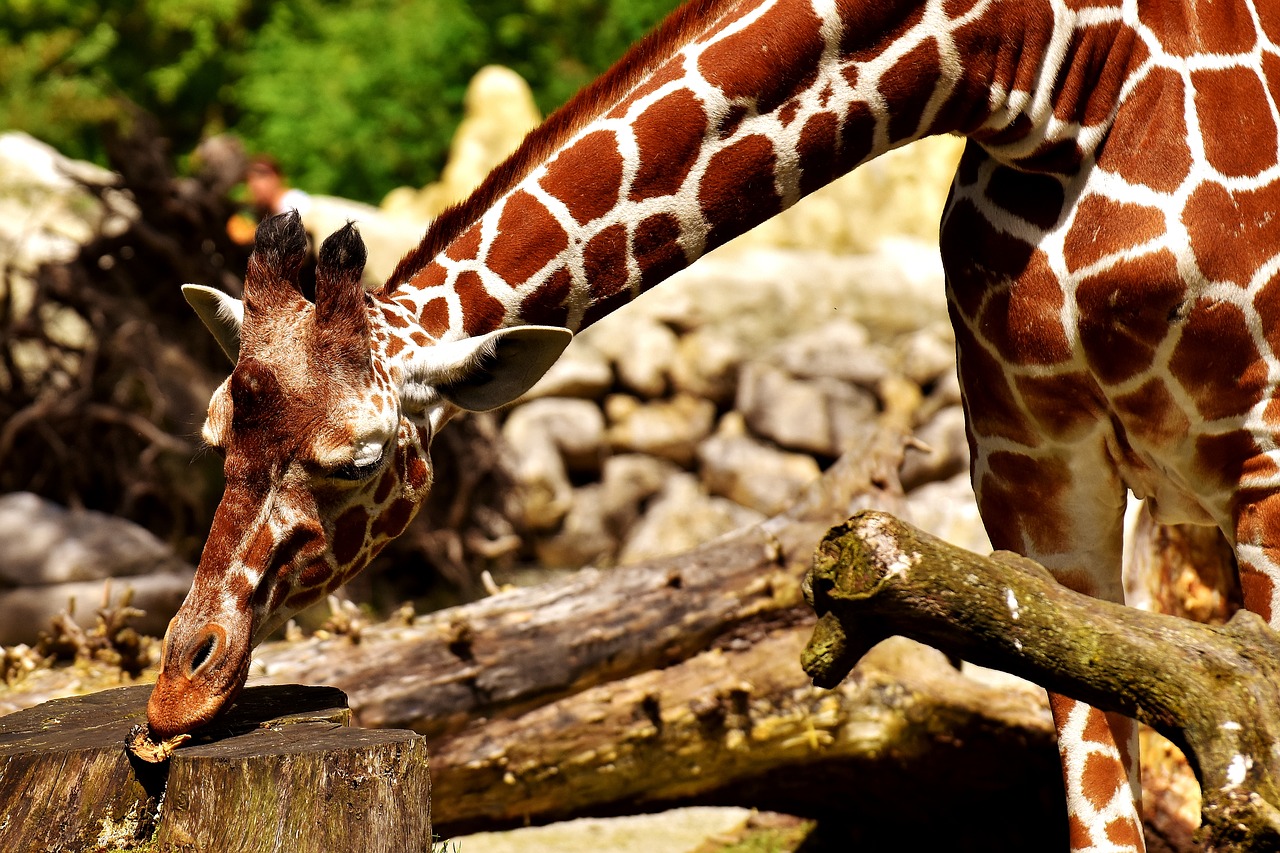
point(326, 444)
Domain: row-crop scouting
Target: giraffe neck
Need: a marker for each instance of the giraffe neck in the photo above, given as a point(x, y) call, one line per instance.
point(737, 112)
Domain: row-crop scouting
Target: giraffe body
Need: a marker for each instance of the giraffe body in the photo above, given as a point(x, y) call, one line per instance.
point(1113, 272)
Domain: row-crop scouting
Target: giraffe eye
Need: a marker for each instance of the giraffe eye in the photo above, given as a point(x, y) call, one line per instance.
point(357, 472)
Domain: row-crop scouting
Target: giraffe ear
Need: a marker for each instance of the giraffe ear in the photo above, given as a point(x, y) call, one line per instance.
point(221, 313)
point(483, 373)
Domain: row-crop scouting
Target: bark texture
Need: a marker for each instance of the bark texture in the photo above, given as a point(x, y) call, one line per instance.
point(1209, 689)
point(283, 771)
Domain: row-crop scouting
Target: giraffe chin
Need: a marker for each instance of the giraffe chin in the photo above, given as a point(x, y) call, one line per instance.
point(187, 697)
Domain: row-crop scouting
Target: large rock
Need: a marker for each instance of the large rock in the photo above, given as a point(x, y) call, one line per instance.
point(670, 429)
point(682, 517)
point(817, 416)
point(603, 512)
point(840, 349)
point(44, 543)
point(706, 365)
point(947, 452)
point(748, 472)
point(546, 438)
point(582, 371)
point(642, 353)
point(51, 556)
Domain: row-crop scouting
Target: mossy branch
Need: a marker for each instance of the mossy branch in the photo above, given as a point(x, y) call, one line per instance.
point(1214, 691)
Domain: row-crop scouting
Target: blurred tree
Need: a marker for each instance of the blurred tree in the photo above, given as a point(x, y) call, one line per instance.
point(66, 66)
point(354, 97)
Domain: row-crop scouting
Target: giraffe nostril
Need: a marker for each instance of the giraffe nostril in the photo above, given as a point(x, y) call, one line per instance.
point(203, 652)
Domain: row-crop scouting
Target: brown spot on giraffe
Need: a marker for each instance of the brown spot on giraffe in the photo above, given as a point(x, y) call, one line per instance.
point(856, 136)
point(392, 522)
point(745, 168)
point(1120, 326)
point(1124, 832)
point(1038, 199)
point(1097, 66)
point(304, 598)
point(675, 126)
point(664, 75)
point(976, 254)
point(992, 410)
point(394, 319)
point(467, 246)
point(433, 275)
point(1228, 458)
point(1098, 779)
point(417, 474)
point(316, 574)
point(604, 260)
point(732, 119)
point(656, 248)
point(1027, 491)
point(1232, 104)
point(587, 176)
point(349, 532)
point(385, 484)
point(1267, 303)
point(1232, 233)
point(1201, 26)
point(770, 59)
point(1023, 320)
point(868, 25)
point(788, 113)
point(817, 150)
point(279, 594)
point(435, 317)
point(909, 84)
point(528, 238)
point(1104, 227)
point(1064, 406)
point(548, 305)
point(1151, 415)
point(482, 312)
point(1215, 346)
point(1257, 588)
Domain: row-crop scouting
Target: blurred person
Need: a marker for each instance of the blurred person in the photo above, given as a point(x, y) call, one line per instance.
point(269, 194)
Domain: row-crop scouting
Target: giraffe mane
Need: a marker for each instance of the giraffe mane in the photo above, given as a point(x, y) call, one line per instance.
point(592, 101)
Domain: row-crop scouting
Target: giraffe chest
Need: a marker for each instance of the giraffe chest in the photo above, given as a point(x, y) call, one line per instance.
point(1116, 325)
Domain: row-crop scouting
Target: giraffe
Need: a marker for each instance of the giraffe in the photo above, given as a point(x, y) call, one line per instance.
point(1113, 277)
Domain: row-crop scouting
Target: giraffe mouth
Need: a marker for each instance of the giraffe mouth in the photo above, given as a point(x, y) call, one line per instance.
point(201, 674)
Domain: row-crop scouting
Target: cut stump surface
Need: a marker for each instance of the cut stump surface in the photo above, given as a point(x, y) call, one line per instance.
point(282, 771)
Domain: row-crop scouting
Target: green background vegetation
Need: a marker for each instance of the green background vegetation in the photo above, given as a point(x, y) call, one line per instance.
point(354, 97)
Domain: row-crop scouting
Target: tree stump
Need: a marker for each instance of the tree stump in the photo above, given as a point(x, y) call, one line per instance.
point(282, 771)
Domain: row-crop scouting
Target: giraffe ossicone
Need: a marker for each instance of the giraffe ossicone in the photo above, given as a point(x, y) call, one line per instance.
point(1113, 277)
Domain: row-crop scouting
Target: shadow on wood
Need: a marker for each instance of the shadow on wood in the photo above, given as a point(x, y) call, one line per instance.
point(283, 764)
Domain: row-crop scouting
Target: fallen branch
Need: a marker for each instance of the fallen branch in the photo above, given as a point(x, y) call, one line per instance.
point(1210, 690)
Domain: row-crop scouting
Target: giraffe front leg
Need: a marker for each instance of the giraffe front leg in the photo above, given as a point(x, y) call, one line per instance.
point(1064, 508)
point(1257, 537)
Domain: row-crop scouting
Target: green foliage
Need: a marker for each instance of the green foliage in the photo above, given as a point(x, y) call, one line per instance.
point(66, 65)
point(354, 97)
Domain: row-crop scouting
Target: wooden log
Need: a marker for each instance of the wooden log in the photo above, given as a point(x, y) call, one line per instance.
point(282, 771)
point(1209, 689)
